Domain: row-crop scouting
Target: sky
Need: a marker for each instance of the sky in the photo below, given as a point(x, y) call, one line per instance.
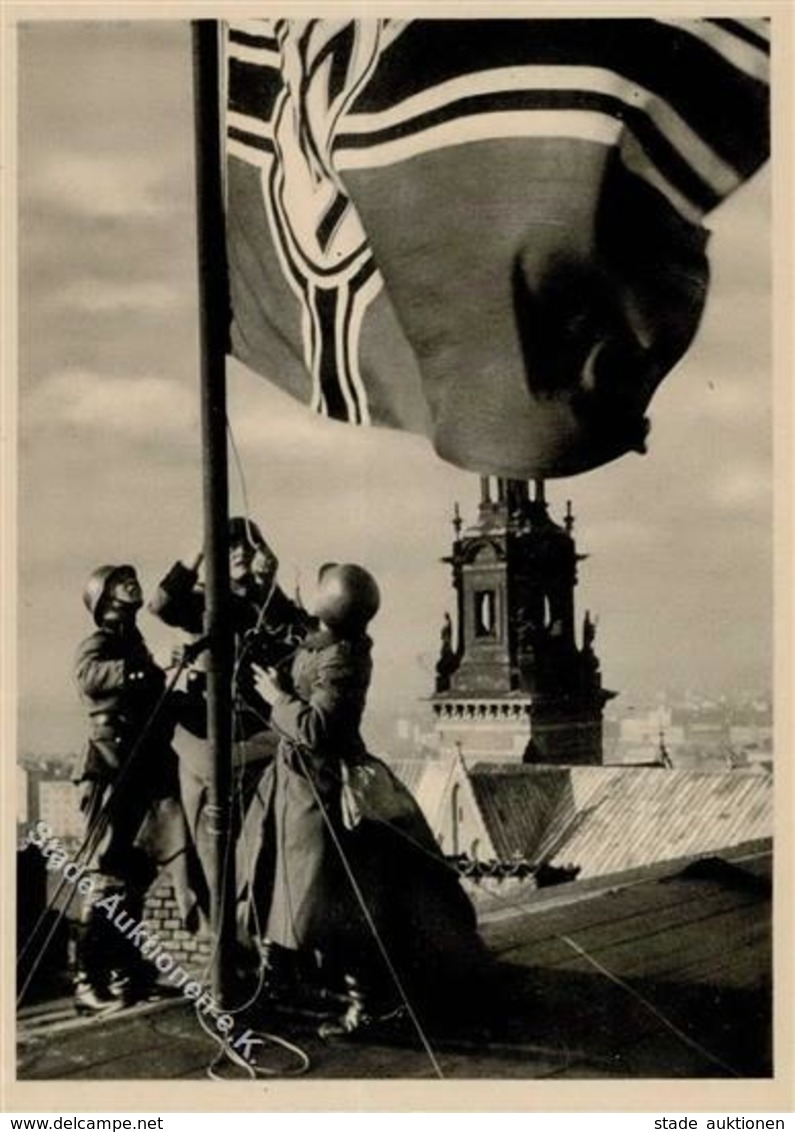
point(679, 571)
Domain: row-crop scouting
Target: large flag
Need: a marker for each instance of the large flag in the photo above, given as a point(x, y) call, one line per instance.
point(488, 231)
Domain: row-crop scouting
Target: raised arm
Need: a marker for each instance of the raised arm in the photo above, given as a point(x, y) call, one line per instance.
point(178, 601)
point(329, 717)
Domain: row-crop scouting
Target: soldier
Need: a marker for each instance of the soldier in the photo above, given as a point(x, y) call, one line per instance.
point(346, 867)
point(179, 601)
point(126, 775)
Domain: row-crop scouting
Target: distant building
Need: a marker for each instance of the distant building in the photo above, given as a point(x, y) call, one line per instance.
point(644, 736)
point(700, 733)
point(514, 782)
point(512, 683)
point(58, 807)
point(23, 801)
point(51, 797)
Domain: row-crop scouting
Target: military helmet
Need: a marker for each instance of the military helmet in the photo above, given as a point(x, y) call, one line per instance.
point(242, 529)
point(347, 596)
point(97, 588)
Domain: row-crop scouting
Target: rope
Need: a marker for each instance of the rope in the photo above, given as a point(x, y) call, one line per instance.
point(368, 916)
point(509, 903)
point(226, 1050)
point(99, 822)
point(436, 858)
point(101, 818)
point(253, 1070)
point(89, 843)
point(94, 833)
point(240, 473)
point(247, 513)
point(370, 922)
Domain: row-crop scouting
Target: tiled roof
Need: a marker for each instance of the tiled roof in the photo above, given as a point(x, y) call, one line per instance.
point(607, 819)
point(519, 807)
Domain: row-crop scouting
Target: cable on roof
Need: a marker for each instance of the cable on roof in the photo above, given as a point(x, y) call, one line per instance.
point(650, 1007)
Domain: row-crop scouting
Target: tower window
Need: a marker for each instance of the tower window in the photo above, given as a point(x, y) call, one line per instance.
point(485, 613)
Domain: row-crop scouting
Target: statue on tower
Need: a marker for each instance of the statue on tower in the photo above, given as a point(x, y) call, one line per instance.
point(448, 661)
point(590, 660)
point(517, 666)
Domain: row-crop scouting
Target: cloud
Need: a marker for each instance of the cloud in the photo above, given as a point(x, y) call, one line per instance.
point(743, 487)
point(269, 423)
point(726, 399)
point(137, 407)
point(103, 296)
point(623, 536)
point(110, 469)
point(102, 187)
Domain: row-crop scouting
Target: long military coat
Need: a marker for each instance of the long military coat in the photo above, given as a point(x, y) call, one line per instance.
point(308, 875)
point(127, 769)
point(179, 601)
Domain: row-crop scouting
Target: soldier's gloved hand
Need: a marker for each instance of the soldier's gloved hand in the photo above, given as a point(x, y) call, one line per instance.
point(264, 565)
point(87, 791)
point(282, 675)
point(193, 561)
point(247, 693)
point(265, 683)
point(182, 655)
point(91, 791)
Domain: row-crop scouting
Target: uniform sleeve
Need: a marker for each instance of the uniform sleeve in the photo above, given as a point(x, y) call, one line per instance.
point(285, 617)
point(331, 715)
point(178, 602)
point(281, 627)
point(99, 674)
point(95, 672)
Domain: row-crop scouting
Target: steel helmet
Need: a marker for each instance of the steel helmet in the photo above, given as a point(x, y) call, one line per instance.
point(97, 588)
point(347, 596)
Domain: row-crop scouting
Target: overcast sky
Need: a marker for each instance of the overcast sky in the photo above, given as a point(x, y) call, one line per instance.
point(680, 541)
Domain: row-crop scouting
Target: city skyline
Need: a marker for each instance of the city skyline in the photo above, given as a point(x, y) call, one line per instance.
point(680, 542)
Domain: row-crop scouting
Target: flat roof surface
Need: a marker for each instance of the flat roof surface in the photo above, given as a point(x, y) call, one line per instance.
point(664, 972)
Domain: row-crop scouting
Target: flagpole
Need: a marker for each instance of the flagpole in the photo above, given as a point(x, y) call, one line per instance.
point(214, 329)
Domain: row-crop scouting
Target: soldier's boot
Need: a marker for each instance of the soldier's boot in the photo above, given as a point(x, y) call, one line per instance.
point(134, 978)
point(365, 1012)
point(94, 992)
point(135, 981)
point(278, 971)
point(93, 998)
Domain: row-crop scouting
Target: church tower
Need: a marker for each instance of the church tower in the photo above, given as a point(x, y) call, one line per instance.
point(515, 685)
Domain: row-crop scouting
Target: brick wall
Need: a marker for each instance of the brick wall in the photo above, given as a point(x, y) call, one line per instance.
point(162, 916)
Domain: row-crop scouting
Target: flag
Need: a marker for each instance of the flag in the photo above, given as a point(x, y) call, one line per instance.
point(487, 231)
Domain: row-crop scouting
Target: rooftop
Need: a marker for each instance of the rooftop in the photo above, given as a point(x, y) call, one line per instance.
point(661, 972)
point(606, 819)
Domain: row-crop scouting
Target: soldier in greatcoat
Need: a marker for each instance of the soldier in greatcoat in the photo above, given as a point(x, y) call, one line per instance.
point(346, 870)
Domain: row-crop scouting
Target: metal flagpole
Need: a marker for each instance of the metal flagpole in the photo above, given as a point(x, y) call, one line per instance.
point(214, 331)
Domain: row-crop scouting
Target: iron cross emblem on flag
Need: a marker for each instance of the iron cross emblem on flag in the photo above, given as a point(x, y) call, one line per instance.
point(486, 231)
